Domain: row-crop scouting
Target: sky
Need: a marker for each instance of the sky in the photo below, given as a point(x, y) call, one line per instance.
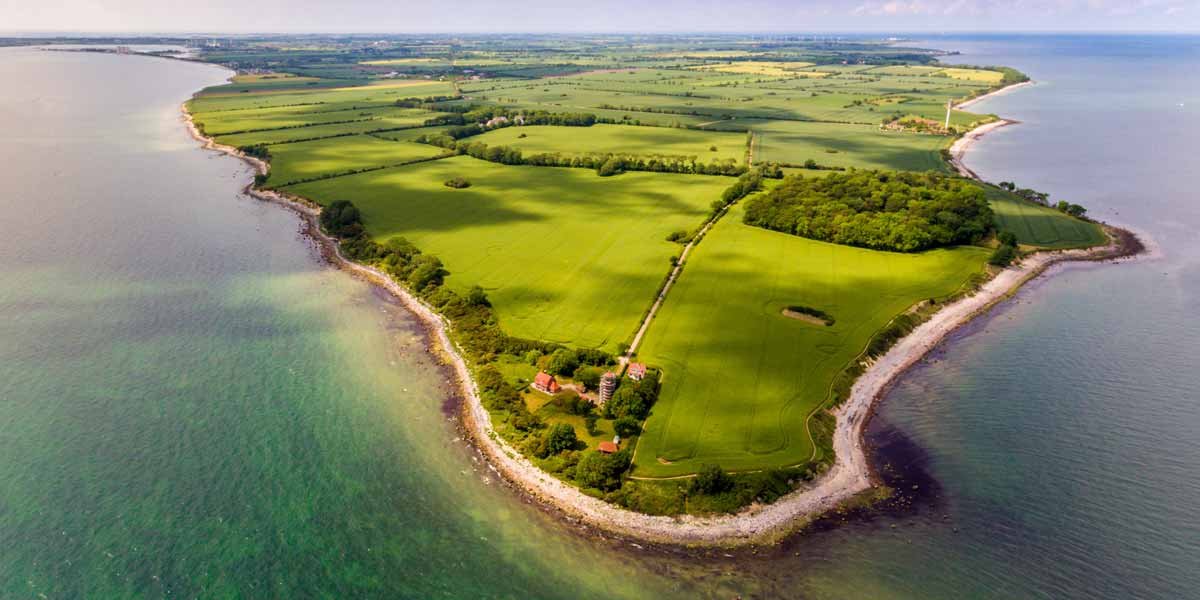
point(573, 16)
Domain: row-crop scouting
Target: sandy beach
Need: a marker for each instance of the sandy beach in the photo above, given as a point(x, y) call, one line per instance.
point(851, 473)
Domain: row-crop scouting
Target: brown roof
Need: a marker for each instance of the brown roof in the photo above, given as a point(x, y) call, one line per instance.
point(637, 368)
point(607, 447)
point(543, 379)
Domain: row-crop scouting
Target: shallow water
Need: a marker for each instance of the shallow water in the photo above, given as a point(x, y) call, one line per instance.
point(192, 403)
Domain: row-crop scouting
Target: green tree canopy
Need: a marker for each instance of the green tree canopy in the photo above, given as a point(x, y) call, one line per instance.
point(883, 210)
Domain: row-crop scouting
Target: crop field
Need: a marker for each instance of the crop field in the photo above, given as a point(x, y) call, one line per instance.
point(863, 146)
point(621, 139)
point(565, 255)
point(240, 121)
point(1037, 225)
point(271, 98)
point(301, 161)
point(768, 68)
point(741, 379)
point(989, 77)
point(278, 136)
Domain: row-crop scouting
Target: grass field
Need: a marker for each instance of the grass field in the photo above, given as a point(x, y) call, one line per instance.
point(305, 160)
point(621, 139)
point(564, 255)
point(863, 146)
point(741, 378)
point(1038, 225)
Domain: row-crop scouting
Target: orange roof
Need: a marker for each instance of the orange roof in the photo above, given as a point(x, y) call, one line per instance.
point(543, 379)
point(607, 447)
point(637, 368)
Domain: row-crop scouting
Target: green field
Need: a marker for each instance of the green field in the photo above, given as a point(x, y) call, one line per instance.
point(569, 257)
point(741, 379)
point(564, 254)
point(862, 146)
point(621, 139)
point(291, 163)
point(1037, 225)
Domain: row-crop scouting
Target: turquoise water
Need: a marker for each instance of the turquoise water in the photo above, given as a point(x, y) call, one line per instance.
point(192, 404)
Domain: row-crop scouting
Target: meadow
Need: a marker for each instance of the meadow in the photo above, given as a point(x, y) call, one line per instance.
point(292, 163)
point(1037, 225)
point(621, 139)
point(564, 255)
point(741, 378)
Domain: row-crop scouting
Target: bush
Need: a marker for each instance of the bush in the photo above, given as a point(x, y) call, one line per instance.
point(458, 183)
point(711, 480)
point(1003, 256)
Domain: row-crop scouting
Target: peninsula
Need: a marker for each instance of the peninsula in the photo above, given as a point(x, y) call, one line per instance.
point(671, 277)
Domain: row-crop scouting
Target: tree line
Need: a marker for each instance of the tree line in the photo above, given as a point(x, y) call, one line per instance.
point(605, 164)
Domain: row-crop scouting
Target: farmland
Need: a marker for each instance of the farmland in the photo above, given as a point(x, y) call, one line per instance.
point(619, 139)
point(1041, 226)
point(564, 255)
point(427, 160)
point(742, 378)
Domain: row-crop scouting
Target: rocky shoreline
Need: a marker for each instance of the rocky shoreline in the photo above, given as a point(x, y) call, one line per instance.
point(849, 476)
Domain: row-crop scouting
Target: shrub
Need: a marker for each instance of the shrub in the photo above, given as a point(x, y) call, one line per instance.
point(1003, 256)
point(711, 480)
point(458, 183)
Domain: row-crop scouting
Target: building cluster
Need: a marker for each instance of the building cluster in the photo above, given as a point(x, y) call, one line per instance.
point(547, 384)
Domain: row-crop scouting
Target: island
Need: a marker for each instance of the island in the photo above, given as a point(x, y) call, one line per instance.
point(669, 275)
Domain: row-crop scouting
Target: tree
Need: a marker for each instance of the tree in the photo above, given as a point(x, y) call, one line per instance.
point(1007, 238)
point(559, 438)
point(562, 362)
point(602, 471)
point(610, 167)
point(627, 426)
point(341, 219)
point(711, 479)
point(588, 377)
point(626, 402)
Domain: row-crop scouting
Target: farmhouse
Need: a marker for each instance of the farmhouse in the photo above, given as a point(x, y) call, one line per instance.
point(608, 385)
point(636, 371)
point(607, 447)
point(545, 382)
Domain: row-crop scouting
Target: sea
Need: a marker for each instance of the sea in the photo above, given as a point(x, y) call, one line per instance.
point(194, 404)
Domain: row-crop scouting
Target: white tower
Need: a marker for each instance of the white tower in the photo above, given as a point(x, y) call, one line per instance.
point(949, 103)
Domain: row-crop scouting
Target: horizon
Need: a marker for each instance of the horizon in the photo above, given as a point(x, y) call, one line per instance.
point(539, 17)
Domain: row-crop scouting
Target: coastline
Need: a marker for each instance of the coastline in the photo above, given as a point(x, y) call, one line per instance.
point(851, 473)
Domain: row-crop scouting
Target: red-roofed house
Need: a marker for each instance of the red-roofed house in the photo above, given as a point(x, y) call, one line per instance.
point(607, 448)
point(545, 382)
point(636, 371)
